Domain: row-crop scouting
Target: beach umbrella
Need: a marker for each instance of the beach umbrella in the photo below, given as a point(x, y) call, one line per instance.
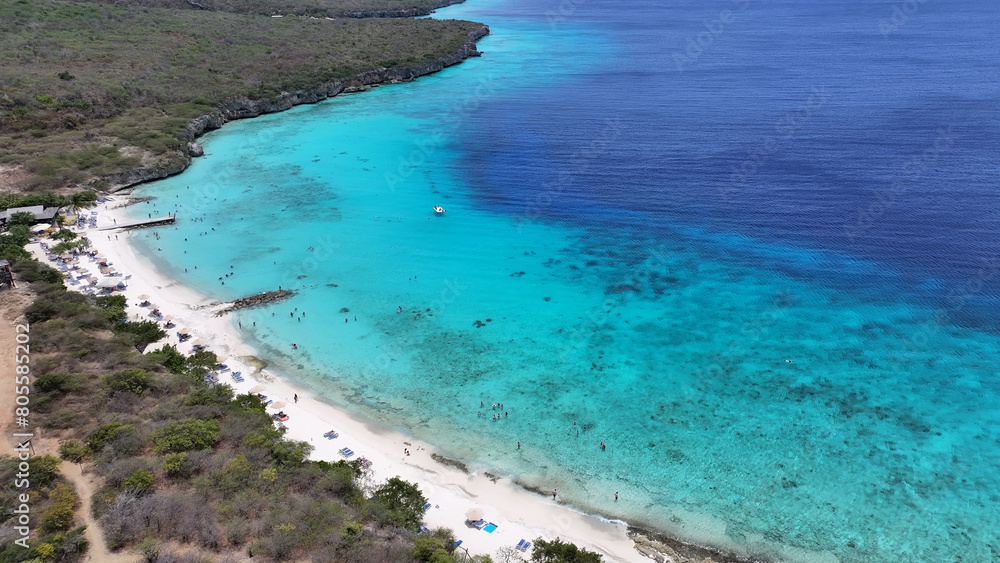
point(474, 514)
point(221, 359)
point(184, 331)
point(168, 317)
point(277, 404)
point(196, 342)
point(257, 389)
point(144, 297)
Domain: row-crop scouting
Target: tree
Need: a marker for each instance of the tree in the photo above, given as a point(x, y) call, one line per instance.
point(21, 218)
point(143, 332)
point(83, 199)
point(64, 235)
point(403, 501)
point(169, 358)
point(557, 551)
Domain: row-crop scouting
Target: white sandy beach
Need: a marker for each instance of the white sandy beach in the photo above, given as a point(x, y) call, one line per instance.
point(517, 513)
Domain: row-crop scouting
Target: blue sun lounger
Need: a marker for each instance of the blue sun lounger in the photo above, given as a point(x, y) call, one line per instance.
point(237, 376)
point(331, 434)
point(427, 507)
point(523, 545)
point(346, 452)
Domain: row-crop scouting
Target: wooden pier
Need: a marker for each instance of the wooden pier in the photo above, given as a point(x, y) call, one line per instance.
point(151, 222)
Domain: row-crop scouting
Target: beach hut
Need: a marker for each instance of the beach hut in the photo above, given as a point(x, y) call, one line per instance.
point(111, 283)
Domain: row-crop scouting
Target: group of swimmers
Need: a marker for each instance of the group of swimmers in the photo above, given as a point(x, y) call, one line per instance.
point(496, 417)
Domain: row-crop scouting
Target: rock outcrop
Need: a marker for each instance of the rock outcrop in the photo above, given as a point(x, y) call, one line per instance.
point(194, 150)
point(265, 298)
point(242, 108)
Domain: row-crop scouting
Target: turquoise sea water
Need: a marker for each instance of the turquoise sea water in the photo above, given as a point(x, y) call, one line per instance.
point(555, 286)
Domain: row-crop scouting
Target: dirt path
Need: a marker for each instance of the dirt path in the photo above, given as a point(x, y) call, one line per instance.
point(12, 305)
point(84, 485)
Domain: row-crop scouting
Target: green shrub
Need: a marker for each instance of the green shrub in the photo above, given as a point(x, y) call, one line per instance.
point(129, 380)
point(59, 515)
point(139, 482)
point(73, 451)
point(100, 436)
point(177, 465)
point(59, 383)
point(184, 435)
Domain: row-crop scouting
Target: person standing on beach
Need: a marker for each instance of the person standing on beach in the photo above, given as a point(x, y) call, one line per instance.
point(553, 494)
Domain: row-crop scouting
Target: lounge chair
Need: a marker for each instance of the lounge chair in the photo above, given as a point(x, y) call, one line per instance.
point(237, 377)
point(456, 544)
point(479, 524)
point(427, 507)
point(524, 545)
point(331, 434)
point(346, 452)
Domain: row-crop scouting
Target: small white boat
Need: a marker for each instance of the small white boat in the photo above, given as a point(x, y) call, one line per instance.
point(438, 209)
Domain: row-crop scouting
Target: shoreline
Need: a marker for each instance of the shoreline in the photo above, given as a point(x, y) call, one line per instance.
point(451, 492)
point(234, 109)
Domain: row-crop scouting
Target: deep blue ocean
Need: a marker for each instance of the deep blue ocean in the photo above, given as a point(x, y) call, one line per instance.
point(750, 246)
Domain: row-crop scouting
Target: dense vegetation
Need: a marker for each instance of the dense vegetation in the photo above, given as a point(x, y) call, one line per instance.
point(88, 90)
point(321, 8)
